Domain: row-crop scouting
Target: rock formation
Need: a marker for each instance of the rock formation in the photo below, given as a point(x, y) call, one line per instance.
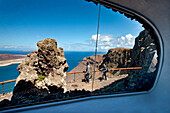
point(43, 69)
point(43, 72)
point(141, 55)
point(115, 58)
point(118, 57)
point(143, 50)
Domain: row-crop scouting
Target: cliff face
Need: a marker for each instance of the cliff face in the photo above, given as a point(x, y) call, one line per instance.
point(118, 57)
point(141, 55)
point(143, 50)
point(42, 71)
point(115, 58)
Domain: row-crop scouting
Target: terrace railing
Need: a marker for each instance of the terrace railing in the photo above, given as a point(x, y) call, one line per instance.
point(7, 86)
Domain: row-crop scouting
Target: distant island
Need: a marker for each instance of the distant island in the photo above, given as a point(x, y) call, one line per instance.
point(8, 59)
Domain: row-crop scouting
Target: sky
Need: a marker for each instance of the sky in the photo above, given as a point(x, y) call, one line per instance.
point(73, 23)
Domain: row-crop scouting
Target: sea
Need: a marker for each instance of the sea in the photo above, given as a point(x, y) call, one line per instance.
point(10, 72)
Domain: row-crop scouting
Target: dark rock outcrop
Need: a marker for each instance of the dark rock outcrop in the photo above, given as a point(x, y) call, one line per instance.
point(4, 103)
point(143, 50)
point(44, 68)
point(30, 94)
point(142, 55)
point(118, 57)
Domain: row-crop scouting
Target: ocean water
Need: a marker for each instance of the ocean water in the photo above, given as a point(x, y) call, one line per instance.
point(10, 72)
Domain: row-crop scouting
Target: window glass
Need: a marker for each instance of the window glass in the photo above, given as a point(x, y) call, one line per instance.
point(47, 52)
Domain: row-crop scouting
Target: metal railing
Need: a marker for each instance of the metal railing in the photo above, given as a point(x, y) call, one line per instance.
point(7, 86)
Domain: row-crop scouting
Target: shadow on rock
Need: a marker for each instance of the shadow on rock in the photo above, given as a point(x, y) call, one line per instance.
point(25, 92)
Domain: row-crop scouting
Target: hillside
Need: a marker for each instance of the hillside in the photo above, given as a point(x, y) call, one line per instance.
point(10, 57)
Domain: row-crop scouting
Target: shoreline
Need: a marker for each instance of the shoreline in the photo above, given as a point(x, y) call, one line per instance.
point(10, 62)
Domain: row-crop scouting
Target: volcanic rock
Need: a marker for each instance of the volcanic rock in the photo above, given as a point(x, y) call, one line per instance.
point(142, 55)
point(43, 69)
point(117, 58)
point(143, 50)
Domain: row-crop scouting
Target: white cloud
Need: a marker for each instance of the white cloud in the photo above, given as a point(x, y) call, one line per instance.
point(10, 47)
point(16, 47)
point(77, 47)
point(106, 42)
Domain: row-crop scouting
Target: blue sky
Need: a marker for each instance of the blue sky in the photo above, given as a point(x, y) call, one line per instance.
point(73, 23)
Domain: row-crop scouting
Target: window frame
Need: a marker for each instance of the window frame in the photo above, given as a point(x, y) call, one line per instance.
point(121, 9)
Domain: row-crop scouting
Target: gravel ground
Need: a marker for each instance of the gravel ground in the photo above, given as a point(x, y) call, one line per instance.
point(79, 85)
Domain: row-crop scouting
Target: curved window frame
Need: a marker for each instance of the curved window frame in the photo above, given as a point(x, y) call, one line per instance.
point(129, 13)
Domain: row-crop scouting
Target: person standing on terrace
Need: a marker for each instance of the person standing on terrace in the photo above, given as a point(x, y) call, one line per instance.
point(104, 69)
point(87, 72)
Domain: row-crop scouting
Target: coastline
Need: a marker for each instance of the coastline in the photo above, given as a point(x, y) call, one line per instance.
point(9, 62)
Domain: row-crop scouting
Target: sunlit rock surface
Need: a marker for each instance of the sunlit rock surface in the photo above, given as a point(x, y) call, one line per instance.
point(118, 57)
point(42, 73)
point(142, 55)
point(43, 69)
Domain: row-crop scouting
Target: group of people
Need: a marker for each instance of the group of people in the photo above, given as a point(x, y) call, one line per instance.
point(87, 75)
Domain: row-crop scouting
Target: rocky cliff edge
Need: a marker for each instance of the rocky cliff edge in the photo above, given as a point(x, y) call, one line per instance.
point(44, 69)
